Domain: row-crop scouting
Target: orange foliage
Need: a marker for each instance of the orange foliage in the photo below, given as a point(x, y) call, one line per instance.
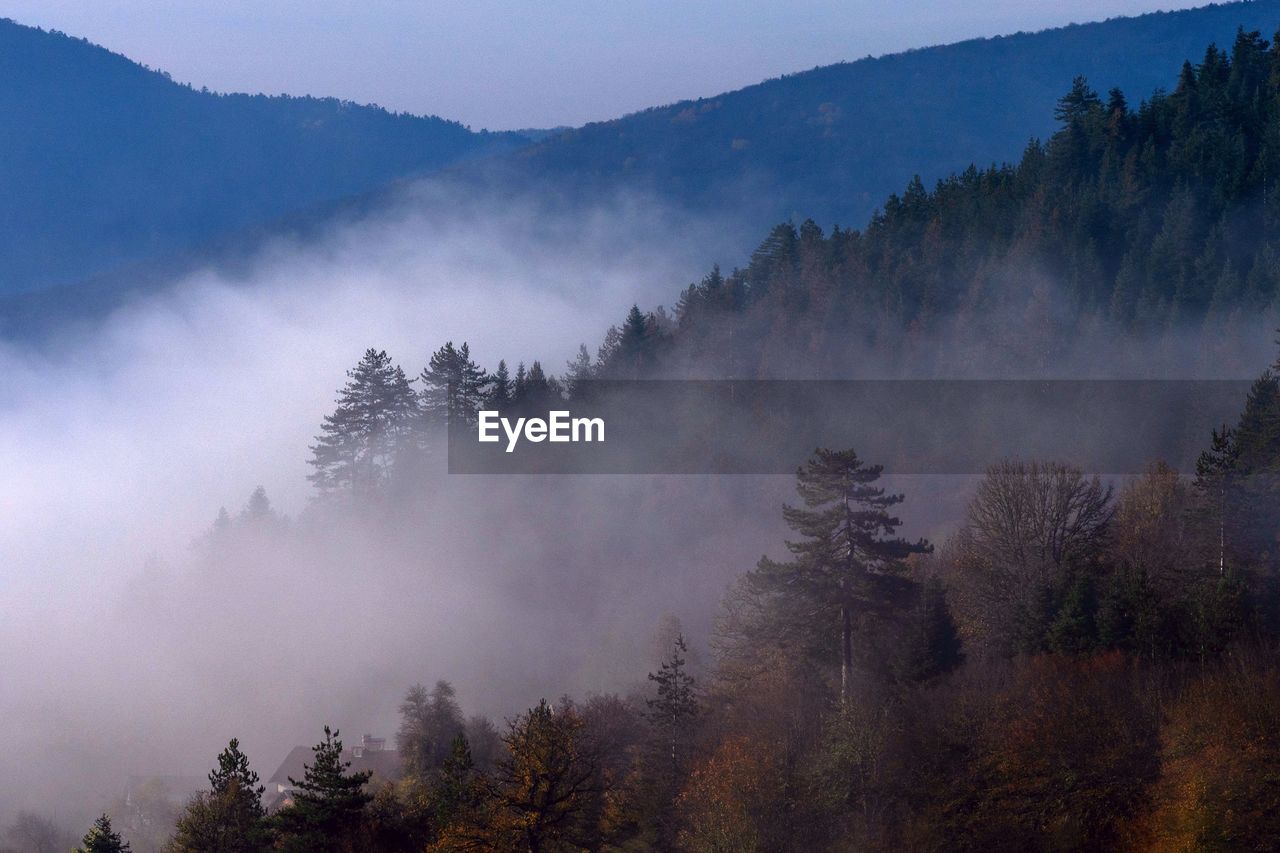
point(1220, 782)
point(730, 798)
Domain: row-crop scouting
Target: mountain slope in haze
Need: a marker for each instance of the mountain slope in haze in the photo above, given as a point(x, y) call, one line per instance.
point(104, 162)
point(1130, 231)
point(833, 142)
point(121, 179)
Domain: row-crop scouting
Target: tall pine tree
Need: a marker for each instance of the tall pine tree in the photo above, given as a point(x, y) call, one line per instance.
point(453, 386)
point(328, 803)
point(675, 709)
point(848, 561)
point(499, 396)
point(429, 722)
point(370, 428)
point(229, 818)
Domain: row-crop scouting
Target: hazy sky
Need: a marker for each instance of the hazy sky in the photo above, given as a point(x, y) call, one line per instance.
point(521, 63)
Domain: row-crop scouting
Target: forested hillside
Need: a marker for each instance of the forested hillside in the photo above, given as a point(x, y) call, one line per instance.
point(1080, 665)
point(1132, 219)
point(831, 143)
point(105, 162)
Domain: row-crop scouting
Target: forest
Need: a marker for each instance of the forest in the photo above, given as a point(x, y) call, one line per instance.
point(1132, 220)
point(1085, 663)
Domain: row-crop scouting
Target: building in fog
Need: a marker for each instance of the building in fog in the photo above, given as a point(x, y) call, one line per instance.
point(370, 754)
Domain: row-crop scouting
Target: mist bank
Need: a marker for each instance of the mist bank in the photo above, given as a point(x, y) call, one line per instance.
point(121, 438)
point(124, 437)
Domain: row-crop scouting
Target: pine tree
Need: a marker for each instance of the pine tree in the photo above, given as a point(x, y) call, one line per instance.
point(222, 523)
point(577, 372)
point(537, 386)
point(258, 514)
point(453, 386)
point(499, 396)
point(328, 803)
point(608, 348)
point(234, 776)
point(1241, 470)
point(429, 722)
point(520, 385)
point(1215, 472)
point(230, 816)
point(675, 709)
point(371, 427)
point(1074, 629)
point(457, 787)
point(847, 563)
point(633, 354)
point(932, 645)
point(101, 838)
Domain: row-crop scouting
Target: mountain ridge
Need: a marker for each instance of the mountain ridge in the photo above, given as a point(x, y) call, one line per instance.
point(107, 162)
point(829, 144)
point(925, 123)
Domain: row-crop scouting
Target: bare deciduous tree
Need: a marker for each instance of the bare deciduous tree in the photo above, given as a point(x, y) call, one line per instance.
point(1027, 525)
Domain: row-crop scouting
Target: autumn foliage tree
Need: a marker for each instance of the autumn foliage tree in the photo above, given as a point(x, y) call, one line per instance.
point(1218, 787)
point(541, 791)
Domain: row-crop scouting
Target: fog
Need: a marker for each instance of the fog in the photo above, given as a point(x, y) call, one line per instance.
point(130, 645)
point(124, 651)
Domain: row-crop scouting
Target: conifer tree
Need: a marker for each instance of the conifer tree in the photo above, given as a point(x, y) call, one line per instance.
point(453, 386)
point(540, 391)
point(520, 385)
point(932, 645)
point(222, 523)
point(258, 514)
point(1215, 471)
point(847, 561)
point(675, 709)
point(457, 786)
point(370, 428)
point(633, 355)
point(230, 816)
point(101, 838)
point(577, 372)
point(607, 349)
point(328, 803)
point(1239, 477)
point(429, 723)
point(499, 396)
point(233, 776)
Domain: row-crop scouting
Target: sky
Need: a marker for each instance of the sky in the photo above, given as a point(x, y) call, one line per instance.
point(521, 64)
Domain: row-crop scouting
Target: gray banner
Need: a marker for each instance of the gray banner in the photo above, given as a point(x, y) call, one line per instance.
point(910, 427)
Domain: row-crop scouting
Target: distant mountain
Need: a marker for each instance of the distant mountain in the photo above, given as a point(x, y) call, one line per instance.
point(104, 162)
point(834, 142)
point(115, 178)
